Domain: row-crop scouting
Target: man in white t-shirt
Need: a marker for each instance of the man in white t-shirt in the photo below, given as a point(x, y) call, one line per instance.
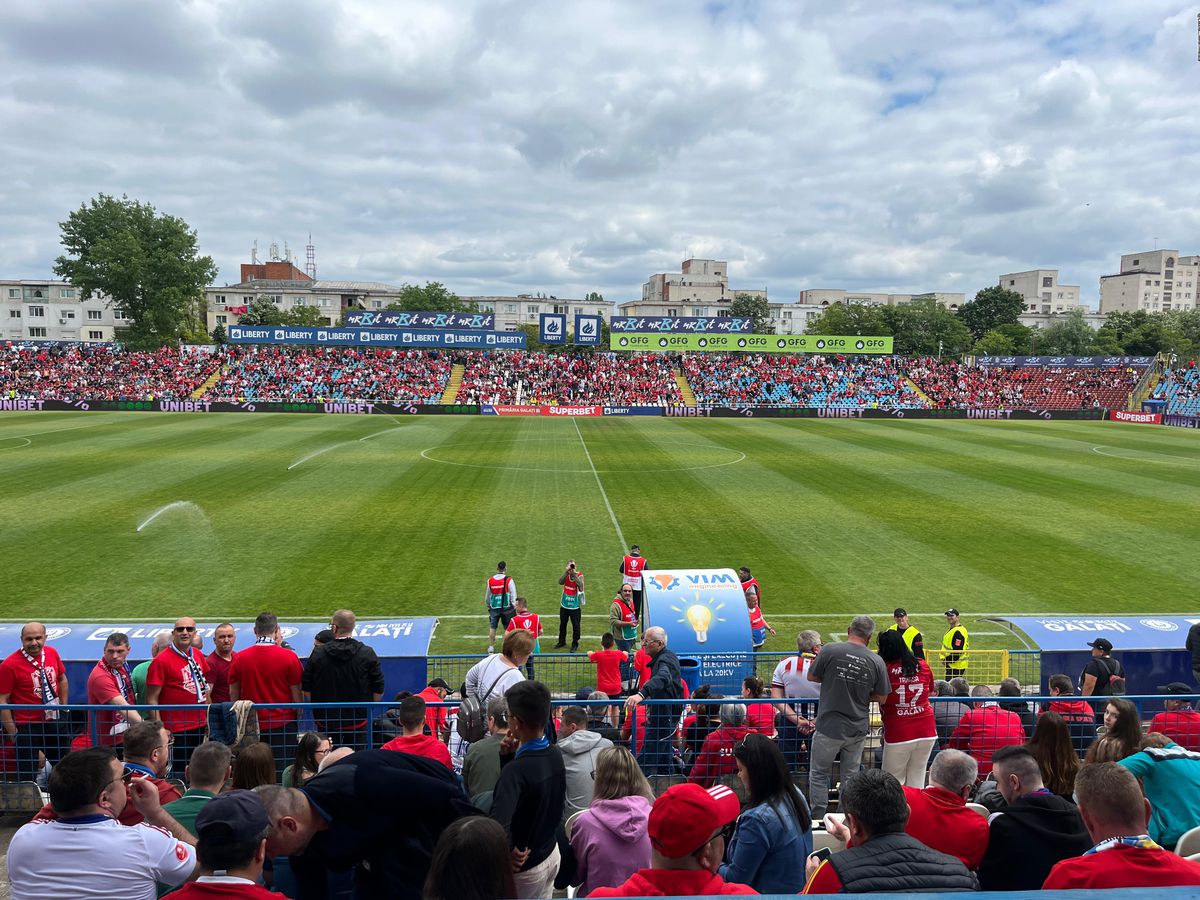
point(86, 853)
point(794, 722)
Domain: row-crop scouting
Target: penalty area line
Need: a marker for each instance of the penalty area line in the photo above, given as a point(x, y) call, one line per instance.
point(600, 484)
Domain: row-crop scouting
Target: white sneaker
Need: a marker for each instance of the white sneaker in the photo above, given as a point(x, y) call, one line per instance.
point(491, 648)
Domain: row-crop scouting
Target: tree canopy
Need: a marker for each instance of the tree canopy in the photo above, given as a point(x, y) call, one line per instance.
point(992, 307)
point(917, 327)
point(756, 308)
point(145, 263)
point(433, 296)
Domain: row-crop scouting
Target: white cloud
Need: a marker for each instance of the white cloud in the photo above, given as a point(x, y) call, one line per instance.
point(503, 147)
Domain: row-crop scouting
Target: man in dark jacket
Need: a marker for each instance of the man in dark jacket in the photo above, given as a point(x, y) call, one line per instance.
point(883, 857)
point(664, 683)
point(1011, 688)
point(344, 670)
point(529, 797)
point(378, 811)
point(1033, 832)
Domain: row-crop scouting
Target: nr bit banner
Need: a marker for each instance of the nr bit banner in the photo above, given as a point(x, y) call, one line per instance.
point(751, 343)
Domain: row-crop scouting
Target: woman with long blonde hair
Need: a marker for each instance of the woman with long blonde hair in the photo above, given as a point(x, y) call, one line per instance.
point(610, 838)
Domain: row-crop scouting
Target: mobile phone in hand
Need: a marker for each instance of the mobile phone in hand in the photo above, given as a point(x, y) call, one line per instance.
point(821, 855)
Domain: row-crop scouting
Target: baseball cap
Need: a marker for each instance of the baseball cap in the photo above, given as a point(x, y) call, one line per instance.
point(440, 683)
point(685, 816)
point(635, 547)
point(899, 611)
point(583, 693)
point(1101, 644)
point(951, 612)
point(234, 817)
point(1176, 687)
point(324, 636)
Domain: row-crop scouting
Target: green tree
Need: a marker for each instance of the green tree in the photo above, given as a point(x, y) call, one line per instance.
point(1117, 327)
point(218, 334)
point(304, 317)
point(994, 343)
point(1067, 335)
point(262, 310)
point(850, 318)
point(146, 264)
point(925, 328)
point(992, 307)
point(1148, 339)
point(433, 296)
point(594, 297)
point(1020, 336)
point(750, 307)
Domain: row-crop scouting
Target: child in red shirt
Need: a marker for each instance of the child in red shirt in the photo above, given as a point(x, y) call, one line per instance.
point(531, 622)
point(608, 671)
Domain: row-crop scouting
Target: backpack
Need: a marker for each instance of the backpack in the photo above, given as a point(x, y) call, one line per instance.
point(472, 714)
point(1116, 682)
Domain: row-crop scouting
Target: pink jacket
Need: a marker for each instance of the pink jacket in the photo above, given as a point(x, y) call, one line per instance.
point(611, 842)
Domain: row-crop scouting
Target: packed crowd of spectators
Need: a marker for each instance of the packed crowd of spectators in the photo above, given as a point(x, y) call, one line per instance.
point(562, 379)
point(769, 380)
point(101, 372)
point(518, 797)
point(271, 373)
point(952, 385)
point(1180, 387)
point(315, 374)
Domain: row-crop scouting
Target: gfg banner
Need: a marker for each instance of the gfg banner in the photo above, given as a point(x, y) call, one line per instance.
point(376, 337)
point(751, 343)
point(394, 318)
point(680, 324)
point(1065, 362)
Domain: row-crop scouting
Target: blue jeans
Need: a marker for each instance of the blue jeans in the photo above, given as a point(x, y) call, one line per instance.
point(222, 723)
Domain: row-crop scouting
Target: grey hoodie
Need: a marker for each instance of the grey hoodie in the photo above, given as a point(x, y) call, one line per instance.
point(579, 751)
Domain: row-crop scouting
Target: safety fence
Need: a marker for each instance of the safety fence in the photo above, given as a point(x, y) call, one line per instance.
point(670, 738)
point(569, 674)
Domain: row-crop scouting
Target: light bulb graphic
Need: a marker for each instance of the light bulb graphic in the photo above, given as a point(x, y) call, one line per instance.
point(699, 618)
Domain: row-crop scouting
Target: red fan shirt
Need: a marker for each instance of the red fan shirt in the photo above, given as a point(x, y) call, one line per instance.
point(171, 672)
point(608, 670)
point(907, 713)
point(266, 673)
point(19, 679)
point(528, 621)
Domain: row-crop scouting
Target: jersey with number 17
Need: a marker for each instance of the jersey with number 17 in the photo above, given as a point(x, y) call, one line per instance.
point(907, 713)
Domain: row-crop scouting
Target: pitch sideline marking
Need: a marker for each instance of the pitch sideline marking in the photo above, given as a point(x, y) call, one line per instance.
point(57, 430)
point(604, 494)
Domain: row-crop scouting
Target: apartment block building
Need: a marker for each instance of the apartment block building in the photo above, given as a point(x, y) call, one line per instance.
point(32, 310)
point(830, 296)
point(1155, 281)
point(1042, 292)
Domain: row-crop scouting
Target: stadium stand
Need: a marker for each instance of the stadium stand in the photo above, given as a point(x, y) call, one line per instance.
point(951, 385)
point(102, 372)
point(547, 378)
point(1181, 389)
point(753, 380)
point(332, 373)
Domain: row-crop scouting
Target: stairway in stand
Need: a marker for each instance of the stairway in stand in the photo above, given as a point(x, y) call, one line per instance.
point(450, 394)
point(920, 393)
point(209, 383)
point(685, 389)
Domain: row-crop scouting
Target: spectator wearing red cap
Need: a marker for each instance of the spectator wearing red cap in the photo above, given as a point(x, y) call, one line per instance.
point(1116, 813)
point(687, 843)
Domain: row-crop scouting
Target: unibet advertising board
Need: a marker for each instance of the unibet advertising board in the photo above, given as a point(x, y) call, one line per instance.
point(751, 343)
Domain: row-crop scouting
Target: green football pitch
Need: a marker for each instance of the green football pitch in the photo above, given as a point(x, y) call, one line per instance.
point(125, 516)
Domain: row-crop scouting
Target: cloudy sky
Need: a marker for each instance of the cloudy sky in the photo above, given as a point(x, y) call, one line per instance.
point(521, 145)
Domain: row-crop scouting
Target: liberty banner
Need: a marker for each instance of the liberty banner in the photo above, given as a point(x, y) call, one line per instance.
point(376, 337)
point(751, 343)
